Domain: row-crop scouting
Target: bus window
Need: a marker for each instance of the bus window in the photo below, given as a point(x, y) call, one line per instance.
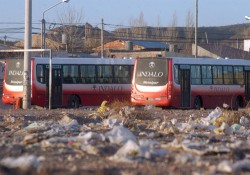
point(195, 75)
point(105, 74)
point(238, 75)
point(67, 79)
point(176, 74)
point(75, 74)
point(206, 74)
point(40, 73)
point(122, 74)
point(217, 75)
point(87, 73)
point(228, 74)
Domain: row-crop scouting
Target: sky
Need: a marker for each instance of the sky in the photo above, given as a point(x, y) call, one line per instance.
point(119, 13)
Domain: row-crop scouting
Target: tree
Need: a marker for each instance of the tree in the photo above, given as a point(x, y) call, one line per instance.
point(156, 31)
point(139, 27)
point(172, 33)
point(71, 32)
point(189, 29)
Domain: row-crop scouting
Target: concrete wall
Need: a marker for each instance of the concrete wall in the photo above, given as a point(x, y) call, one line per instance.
point(247, 45)
point(203, 52)
point(134, 54)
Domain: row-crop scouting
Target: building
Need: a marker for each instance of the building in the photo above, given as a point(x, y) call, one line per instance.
point(220, 51)
point(133, 48)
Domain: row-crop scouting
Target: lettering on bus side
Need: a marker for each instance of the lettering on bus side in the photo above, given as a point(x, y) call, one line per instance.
point(102, 88)
point(219, 89)
point(150, 74)
point(15, 72)
point(14, 77)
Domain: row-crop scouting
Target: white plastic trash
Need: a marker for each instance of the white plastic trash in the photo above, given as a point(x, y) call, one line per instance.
point(120, 135)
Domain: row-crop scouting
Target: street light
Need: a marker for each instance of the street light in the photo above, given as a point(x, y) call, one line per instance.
point(43, 40)
point(196, 27)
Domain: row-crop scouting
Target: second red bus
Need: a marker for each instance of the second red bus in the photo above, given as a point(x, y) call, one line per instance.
point(191, 82)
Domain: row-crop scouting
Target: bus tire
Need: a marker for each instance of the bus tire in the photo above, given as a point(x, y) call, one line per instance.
point(237, 103)
point(73, 102)
point(197, 103)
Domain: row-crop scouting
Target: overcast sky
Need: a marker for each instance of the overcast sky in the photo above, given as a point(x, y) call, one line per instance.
point(120, 12)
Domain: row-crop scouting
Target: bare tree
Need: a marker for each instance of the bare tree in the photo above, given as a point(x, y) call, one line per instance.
point(139, 27)
point(156, 31)
point(71, 32)
point(92, 37)
point(189, 29)
point(172, 33)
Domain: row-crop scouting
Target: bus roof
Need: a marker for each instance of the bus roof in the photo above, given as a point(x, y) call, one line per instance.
point(208, 61)
point(69, 60)
point(212, 61)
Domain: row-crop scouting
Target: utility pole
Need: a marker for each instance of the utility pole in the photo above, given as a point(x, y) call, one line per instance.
point(43, 32)
point(5, 38)
point(27, 45)
point(102, 39)
point(86, 35)
point(196, 26)
point(206, 37)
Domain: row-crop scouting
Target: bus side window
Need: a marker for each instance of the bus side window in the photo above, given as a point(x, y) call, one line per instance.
point(122, 74)
point(217, 75)
point(176, 74)
point(105, 74)
point(238, 75)
point(228, 74)
point(40, 74)
point(195, 75)
point(206, 72)
point(67, 79)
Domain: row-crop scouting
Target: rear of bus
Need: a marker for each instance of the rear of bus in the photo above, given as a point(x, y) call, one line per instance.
point(151, 83)
point(13, 81)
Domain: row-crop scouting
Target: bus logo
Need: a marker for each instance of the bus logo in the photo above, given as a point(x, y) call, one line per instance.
point(18, 64)
point(151, 65)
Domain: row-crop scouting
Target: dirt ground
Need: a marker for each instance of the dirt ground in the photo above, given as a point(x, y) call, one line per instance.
point(47, 142)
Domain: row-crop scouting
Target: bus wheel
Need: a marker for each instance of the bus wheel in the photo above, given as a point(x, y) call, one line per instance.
point(236, 104)
point(74, 102)
point(197, 103)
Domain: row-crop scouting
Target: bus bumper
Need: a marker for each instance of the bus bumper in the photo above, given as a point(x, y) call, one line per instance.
point(6, 99)
point(159, 101)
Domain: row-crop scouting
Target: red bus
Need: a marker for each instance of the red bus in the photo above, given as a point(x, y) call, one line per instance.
point(75, 81)
point(191, 82)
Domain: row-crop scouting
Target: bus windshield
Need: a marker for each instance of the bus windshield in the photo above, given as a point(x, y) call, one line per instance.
point(151, 72)
point(14, 72)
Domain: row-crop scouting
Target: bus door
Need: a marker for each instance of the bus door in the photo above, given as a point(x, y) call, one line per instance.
point(185, 86)
point(247, 82)
point(56, 92)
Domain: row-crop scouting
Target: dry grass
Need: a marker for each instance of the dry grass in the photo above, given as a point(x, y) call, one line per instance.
point(231, 117)
point(117, 105)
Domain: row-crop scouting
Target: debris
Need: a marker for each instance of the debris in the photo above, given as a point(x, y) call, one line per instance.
point(69, 124)
point(90, 137)
point(120, 135)
point(110, 122)
point(211, 117)
point(225, 167)
point(244, 121)
point(223, 129)
point(131, 151)
point(102, 109)
point(235, 127)
point(128, 152)
point(24, 162)
point(237, 167)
